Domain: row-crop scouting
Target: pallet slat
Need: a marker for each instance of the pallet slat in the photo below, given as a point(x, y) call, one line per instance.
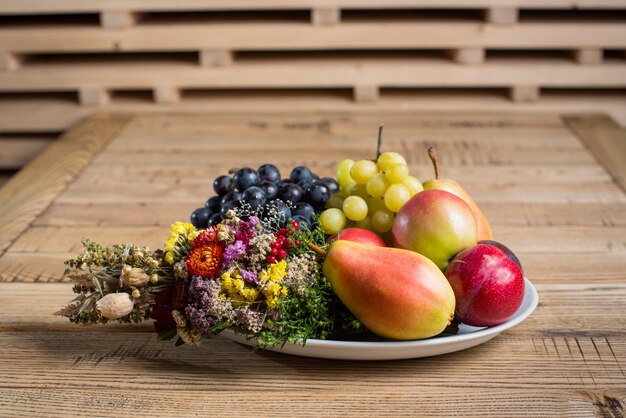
point(302, 36)
point(86, 6)
point(332, 73)
point(40, 114)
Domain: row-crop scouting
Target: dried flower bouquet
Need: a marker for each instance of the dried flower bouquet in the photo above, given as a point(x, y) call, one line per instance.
point(252, 276)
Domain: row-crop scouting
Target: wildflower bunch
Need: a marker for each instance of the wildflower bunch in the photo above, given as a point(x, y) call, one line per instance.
point(253, 277)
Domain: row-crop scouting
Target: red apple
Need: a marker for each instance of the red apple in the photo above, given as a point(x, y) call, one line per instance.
point(488, 286)
point(360, 235)
point(505, 250)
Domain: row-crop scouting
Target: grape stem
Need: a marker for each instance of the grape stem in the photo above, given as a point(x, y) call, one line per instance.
point(433, 158)
point(317, 249)
point(379, 147)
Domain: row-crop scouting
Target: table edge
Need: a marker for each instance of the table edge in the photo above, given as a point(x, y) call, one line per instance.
point(604, 138)
point(30, 191)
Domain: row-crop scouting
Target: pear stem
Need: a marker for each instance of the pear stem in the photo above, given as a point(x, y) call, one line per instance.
point(379, 146)
point(433, 158)
point(317, 249)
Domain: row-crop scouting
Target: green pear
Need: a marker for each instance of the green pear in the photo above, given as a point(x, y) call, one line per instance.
point(436, 224)
point(451, 186)
point(395, 293)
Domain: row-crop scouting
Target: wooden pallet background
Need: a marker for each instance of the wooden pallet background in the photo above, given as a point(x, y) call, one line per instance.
point(62, 60)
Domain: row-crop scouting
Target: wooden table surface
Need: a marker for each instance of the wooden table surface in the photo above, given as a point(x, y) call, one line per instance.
point(552, 186)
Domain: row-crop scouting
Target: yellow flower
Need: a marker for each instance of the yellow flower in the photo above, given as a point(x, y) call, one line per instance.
point(272, 277)
point(275, 272)
point(227, 282)
point(250, 294)
point(170, 243)
point(238, 285)
point(193, 235)
point(179, 228)
point(272, 303)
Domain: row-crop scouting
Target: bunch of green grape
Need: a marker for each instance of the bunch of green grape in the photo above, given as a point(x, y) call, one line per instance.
point(371, 194)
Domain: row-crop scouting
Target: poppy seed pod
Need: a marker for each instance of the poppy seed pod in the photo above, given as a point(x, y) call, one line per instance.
point(115, 305)
point(134, 277)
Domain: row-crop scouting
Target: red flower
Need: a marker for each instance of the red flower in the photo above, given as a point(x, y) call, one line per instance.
point(166, 301)
point(205, 256)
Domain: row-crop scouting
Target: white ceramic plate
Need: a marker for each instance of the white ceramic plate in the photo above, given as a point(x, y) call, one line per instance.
point(467, 337)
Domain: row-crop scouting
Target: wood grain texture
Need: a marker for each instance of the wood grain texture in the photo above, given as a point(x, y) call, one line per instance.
point(547, 196)
point(30, 191)
point(606, 140)
point(97, 362)
point(306, 402)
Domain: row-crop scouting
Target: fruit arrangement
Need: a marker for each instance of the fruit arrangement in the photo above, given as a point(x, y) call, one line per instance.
point(374, 252)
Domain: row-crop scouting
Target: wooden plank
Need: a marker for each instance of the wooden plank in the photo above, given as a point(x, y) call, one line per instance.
point(303, 36)
point(430, 402)
point(335, 73)
point(49, 113)
point(414, 150)
point(98, 361)
point(17, 152)
point(473, 177)
point(87, 6)
point(41, 268)
point(605, 139)
point(30, 191)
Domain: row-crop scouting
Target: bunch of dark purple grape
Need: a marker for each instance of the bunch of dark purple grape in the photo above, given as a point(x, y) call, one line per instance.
point(263, 192)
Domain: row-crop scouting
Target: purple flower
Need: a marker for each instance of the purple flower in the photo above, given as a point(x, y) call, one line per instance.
point(247, 230)
point(250, 320)
point(249, 276)
point(242, 236)
point(232, 252)
point(202, 297)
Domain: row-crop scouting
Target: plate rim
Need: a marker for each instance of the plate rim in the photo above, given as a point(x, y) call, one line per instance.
point(484, 332)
